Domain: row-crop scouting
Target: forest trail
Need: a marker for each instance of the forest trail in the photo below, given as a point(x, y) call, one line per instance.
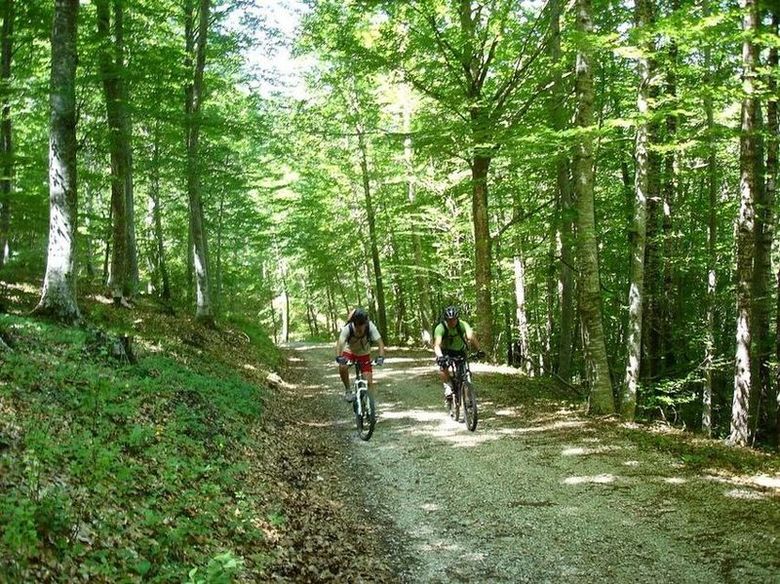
point(538, 493)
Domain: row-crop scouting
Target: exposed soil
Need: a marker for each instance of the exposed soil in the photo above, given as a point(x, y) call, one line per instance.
point(538, 493)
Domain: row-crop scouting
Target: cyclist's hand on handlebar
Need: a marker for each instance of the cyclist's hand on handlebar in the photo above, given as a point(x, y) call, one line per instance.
point(380, 360)
point(341, 360)
point(441, 361)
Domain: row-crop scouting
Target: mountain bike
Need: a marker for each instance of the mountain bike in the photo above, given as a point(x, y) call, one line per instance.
point(363, 404)
point(463, 392)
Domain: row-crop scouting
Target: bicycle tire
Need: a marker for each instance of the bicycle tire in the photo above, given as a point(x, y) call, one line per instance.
point(456, 401)
point(367, 421)
point(470, 405)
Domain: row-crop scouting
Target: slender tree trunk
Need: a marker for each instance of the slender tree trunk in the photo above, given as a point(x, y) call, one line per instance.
point(421, 278)
point(601, 400)
point(194, 97)
point(127, 148)
point(521, 316)
point(669, 305)
point(638, 232)
point(769, 420)
point(482, 252)
point(6, 143)
point(160, 264)
point(565, 203)
point(58, 298)
point(110, 71)
point(743, 383)
point(712, 258)
point(372, 236)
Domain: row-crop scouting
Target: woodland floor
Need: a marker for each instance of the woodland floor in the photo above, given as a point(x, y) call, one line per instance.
point(538, 493)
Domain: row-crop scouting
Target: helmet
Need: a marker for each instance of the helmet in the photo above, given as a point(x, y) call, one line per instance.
point(451, 312)
point(359, 316)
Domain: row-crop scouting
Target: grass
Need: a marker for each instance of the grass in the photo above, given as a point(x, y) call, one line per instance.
point(112, 471)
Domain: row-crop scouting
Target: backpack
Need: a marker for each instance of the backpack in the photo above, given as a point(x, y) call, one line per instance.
point(366, 338)
point(458, 327)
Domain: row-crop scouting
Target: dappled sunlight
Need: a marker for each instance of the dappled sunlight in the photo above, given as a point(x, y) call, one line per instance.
point(675, 481)
point(430, 507)
point(578, 451)
point(745, 494)
point(602, 479)
point(101, 299)
point(761, 482)
point(560, 425)
point(511, 412)
point(632, 463)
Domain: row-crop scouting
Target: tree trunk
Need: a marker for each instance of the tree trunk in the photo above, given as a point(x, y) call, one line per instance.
point(372, 236)
point(769, 420)
point(712, 257)
point(58, 298)
point(482, 251)
point(638, 232)
point(160, 264)
point(565, 203)
point(524, 347)
point(111, 74)
point(194, 97)
point(741, 413)
point(421, 278)
point(601, 400)
point(6, 143)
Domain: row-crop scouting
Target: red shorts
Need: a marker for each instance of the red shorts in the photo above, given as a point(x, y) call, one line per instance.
point(363, 360)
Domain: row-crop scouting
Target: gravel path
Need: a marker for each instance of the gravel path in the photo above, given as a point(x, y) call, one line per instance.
point(538, 493)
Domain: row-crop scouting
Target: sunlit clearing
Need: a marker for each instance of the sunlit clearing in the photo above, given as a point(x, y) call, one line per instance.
point(745, 494)
point(430, 507)
point(602, 479)
point(250, 367)
point(675, 481)
point(584, 451)
point(295, 359)
point(631, 463)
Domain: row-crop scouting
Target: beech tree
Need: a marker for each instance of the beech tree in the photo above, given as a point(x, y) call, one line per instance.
point(58, 298)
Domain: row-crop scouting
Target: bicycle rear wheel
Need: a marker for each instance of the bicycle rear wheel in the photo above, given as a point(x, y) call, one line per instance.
point(469, 398)
point(366, 419)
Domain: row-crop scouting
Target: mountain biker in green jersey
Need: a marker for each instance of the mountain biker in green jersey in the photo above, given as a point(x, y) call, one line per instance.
point(451, 338)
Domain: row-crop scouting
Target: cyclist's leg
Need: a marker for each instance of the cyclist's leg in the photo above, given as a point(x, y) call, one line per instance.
point(344, 370)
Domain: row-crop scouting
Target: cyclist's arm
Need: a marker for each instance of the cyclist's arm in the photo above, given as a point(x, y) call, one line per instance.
point(437, 336)
point(341, 341)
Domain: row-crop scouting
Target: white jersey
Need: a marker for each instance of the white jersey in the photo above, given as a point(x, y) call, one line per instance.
point(359, 345)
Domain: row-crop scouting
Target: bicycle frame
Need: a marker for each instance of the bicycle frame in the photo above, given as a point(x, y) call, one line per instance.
point(362, 404)
point(463, 393)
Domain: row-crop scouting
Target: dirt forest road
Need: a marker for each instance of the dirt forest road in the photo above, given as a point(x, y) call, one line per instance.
point(538, 493)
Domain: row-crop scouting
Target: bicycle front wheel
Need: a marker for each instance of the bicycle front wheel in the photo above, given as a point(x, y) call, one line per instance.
point(365, 415)
point(469, 398)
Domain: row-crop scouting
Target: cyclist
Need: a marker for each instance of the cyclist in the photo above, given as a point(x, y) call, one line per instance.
point(451, 338)
point(354, 344)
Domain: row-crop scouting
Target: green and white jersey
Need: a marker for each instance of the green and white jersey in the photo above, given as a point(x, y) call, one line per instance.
point(451, 337)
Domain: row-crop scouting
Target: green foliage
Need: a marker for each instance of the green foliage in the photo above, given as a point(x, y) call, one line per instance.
point(120, 469)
